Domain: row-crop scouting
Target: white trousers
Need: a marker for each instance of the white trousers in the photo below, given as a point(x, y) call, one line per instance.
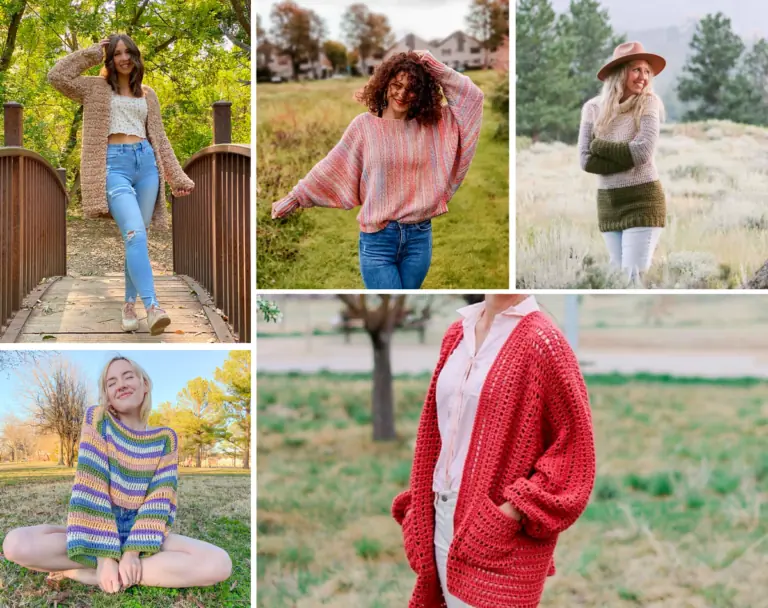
point(632, 249)
point(445, 507)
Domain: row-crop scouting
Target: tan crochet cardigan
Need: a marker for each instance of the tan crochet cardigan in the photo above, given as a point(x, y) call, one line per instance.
point(95, 94)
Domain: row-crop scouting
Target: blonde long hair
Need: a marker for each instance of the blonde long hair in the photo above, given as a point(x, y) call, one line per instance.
point(610, 97)
point(146, 405)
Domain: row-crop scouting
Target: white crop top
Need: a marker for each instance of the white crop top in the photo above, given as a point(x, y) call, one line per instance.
point(128, 115)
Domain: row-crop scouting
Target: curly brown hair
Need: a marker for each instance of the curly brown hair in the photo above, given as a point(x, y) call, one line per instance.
point(426, 106)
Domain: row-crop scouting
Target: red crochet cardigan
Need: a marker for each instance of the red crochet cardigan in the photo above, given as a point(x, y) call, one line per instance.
point(531, 445)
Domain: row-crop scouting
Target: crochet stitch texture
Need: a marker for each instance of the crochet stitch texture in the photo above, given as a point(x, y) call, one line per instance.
point(629, 192)
point(117, 465)
point(95, 94)
point(398, 170)
point(532, 445)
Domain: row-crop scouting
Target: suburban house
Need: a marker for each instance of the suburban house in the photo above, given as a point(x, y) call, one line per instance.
point(459, 50)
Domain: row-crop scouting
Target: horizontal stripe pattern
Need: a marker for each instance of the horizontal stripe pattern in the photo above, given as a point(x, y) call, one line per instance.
point(118, 466)
point(398, 170)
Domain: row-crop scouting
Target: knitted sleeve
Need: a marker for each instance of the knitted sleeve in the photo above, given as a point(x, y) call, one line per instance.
point(640, 150)
point(333, 182)
point(91, 525)
point(174, 174)
point(558, 491)
point(158, 511)
point(66, 75)
point(465, 102)
point(590, 162)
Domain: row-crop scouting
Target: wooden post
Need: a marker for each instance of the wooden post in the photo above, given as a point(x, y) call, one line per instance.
point(62, 173)
point(222, 122)
point(14, 121)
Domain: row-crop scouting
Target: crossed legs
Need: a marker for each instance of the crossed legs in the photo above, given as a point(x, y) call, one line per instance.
point(181, 562)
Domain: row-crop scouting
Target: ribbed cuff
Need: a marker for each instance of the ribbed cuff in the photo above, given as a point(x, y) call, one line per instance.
point(285, 206)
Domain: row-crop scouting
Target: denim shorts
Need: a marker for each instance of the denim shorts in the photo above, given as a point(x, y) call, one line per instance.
point(124, 519)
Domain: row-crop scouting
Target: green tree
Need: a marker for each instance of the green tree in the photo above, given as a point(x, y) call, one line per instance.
point(587, 32)
point(710, 69)
point(203, 399)
point(235, 375)
point(547, 97)
point(336, 53)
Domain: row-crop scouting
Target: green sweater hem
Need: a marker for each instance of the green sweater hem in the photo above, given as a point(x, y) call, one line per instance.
point(640, 206)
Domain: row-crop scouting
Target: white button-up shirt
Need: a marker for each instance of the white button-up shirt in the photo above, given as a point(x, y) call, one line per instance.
point(460, 383)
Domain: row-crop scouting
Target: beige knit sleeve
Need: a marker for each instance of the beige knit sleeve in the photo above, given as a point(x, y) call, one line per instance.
point(66, 75)
point(174, 174)
point(643, 146)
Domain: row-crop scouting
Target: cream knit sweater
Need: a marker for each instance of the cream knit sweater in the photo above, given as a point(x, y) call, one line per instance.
point(95, 94)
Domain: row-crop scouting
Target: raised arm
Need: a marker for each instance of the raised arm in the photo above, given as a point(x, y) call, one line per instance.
point(91, 525)
point(640, 150)
point(158, 511)
point(465, 102)
point(66, 75)
point(333, 182)
point(556, 494)
point(174, 174)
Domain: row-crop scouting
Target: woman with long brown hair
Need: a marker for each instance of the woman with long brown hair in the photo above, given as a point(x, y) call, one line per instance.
point(125, 159)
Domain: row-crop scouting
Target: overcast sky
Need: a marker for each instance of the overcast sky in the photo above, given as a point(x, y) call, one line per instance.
point(427, 19)
point(748, 17)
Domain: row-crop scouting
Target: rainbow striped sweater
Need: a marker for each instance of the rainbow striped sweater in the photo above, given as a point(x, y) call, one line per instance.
point(397, 170)
point(123, 467)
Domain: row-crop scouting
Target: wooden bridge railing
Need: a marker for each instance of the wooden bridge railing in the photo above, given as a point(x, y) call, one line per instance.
point(212, 226)
point(33, 211)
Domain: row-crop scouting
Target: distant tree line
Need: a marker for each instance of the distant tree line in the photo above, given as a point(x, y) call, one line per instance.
point(558, 57)
point(301, 35)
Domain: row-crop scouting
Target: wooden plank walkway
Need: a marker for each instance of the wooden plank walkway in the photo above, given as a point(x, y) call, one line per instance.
point(88, 309)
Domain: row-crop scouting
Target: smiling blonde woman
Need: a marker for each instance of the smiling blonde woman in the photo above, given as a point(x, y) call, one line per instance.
point(617, 141)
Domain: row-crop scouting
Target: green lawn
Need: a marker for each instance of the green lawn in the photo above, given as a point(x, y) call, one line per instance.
point(679, 515)
point(298, 124)
point(214, 505)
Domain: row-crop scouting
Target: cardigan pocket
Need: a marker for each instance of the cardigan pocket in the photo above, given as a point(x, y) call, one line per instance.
point(489, 538)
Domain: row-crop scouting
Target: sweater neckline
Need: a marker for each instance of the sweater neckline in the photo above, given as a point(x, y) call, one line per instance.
point(628, 104)
point(128, 430)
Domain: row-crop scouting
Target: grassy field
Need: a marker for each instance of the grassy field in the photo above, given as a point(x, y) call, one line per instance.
point(38, 493)
point(678, 517)
point(717, 211)
point(298, 124)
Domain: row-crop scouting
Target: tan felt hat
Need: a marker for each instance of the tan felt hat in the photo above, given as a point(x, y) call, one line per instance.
point(630, 51)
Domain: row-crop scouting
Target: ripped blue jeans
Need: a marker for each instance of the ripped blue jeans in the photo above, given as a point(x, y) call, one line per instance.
point(132, 185)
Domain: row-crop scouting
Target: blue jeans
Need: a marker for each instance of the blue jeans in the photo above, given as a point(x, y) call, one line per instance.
point(132, 185)
point(124, 519)
point(397, 257)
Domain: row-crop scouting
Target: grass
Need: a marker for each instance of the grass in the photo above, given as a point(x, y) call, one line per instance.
point(678, 516)
point(38, 493)
point(298, 124)
point(717, 212)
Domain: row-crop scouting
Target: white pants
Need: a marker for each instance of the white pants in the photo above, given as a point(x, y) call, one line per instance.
point(632, 249)
point(445, 507)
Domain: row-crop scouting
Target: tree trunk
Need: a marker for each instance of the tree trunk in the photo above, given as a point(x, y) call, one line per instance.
point(10, 38)
point(199, 456)
point(247, 452)
point(383, 398)
point(61, 450)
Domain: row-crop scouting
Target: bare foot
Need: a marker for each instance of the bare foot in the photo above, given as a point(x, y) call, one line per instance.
point(87, 576)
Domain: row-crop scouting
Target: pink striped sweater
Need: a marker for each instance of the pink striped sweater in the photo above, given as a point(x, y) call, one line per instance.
point(397, 170)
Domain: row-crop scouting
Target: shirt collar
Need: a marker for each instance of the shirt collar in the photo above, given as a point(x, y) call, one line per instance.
point(523, 308)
